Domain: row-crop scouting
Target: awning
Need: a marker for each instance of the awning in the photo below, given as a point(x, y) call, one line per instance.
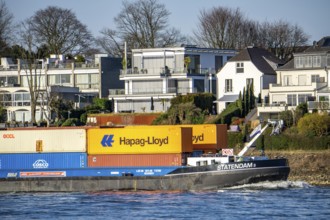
point(227, 98)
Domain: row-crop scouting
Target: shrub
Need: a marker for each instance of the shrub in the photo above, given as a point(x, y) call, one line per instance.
point(314, 125)
point(71, 122)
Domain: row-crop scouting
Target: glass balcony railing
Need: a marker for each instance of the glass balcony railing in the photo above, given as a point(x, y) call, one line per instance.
point(322, 105)
point(166, 71)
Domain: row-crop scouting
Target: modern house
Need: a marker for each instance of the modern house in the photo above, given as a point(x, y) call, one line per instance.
point(304, 79)
point(159, 74)
point(79, 82)
point(251, 66)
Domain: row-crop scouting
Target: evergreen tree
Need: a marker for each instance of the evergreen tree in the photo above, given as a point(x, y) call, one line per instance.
point(240, 103)
point(252, 98)
point(243, 103)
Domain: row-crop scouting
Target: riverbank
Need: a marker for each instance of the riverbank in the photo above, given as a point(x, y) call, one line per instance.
point(308, 166)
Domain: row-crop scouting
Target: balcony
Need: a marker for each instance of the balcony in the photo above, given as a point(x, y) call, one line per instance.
point(163, 71)
point(149, 91)
point(297, 88)
point(116, 91)
point(273, 107)
point(323, 105)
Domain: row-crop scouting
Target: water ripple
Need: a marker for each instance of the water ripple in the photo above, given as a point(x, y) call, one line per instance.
point(276, 200)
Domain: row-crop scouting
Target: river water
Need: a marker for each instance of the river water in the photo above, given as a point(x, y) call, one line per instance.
point(278, 200)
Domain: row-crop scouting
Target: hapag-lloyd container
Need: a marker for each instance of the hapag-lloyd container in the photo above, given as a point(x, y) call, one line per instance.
point(133, 160)
point(43, 140)
point(136, 140)
point(43, 161)
point(207, 137)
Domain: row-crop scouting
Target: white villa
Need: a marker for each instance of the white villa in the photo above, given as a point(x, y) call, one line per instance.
point(304, 79)
point(251, 65)
point(159, 74)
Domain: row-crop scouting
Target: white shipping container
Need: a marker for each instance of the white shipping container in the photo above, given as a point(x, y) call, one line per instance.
point(43, 140)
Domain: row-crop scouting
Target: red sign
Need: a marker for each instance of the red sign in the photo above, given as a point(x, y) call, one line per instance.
point(228, 152)
point(43, 174)
point(8, 136)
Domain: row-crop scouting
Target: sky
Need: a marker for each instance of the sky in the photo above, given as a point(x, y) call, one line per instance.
point(311, 15)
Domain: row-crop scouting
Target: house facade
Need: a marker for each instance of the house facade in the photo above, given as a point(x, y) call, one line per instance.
point(304, 79)
point(78, 82)
point(252, 66)
point(159, 74)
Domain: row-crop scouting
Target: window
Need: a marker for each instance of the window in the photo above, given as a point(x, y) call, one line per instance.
point(299, 62)
point(292, 100)
point(323, 98)
point(59, 79)
point(309, 61)
point(218, 63)
point(303, 98)
point(228, 85)
point(316, 61)
point(315, 78)
point(287, 80)
point(249, 81)
point(239, 67)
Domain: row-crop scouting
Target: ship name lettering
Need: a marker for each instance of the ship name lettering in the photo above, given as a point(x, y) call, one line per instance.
point(235, 166)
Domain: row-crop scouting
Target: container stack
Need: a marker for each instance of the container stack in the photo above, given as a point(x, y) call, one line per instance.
point(139, 146)
point(44, 149)
point(68, 151)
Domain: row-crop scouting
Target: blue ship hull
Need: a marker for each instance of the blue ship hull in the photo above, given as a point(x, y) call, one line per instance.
point(211, 177)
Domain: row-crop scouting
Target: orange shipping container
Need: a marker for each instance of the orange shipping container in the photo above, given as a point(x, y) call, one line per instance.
point(133, 160)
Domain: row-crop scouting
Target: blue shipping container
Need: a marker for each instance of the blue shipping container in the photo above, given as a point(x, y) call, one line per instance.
point(43, 161)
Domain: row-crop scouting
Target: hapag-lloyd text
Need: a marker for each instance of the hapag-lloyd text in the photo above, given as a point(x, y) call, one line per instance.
point(142, 142)
point(236, 166)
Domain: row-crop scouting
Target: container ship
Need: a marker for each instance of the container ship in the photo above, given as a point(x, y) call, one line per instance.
point(91, 159)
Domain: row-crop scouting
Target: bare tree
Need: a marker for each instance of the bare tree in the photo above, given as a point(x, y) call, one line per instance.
point(142, 24)
point(227, 28)
point(6, 19)
point(60, 30)
point(110, 42)
point(282, 38)
point(220, 27)
point(28, 65)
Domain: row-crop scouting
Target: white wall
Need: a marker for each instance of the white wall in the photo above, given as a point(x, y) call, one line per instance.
point(238, 80)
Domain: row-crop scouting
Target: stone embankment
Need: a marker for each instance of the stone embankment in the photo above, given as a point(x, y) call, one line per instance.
point(312, 167)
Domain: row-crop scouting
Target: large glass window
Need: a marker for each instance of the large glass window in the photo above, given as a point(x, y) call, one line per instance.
point(315, 78)
point(5, 80)
point(303, 98)
point(59, 79)
point(228, 85)
point(292, 100)
point(323, 98)
point(40, 80)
